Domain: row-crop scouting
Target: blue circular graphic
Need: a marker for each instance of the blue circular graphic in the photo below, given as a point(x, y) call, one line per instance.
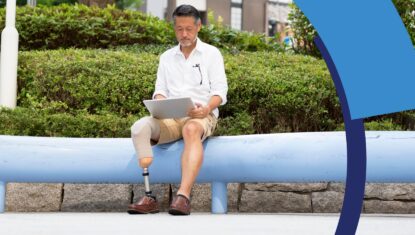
point(356, 155)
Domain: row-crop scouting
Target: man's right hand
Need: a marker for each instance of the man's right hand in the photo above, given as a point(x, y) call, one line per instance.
point(159, 97)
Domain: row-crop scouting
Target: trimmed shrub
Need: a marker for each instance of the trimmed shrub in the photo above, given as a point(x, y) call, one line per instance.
point(282, 92)
point(80, 26)
point(96, 81)
point(99, 93)
point(35, 122)
point(279, 92)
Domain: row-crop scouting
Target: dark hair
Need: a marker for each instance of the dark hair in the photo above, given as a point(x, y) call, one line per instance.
point(186, 10)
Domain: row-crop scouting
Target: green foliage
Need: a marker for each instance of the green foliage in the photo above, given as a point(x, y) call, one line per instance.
point(268, 92)
point(140, 48)
point(99, 93)
point(281, 92)
point(379, 124)
point(383, 125)
point(129, 4)
point(55, 2)
point(304, 32)
point(35, 122)
point(406, 120)
point(237, 124)
point(97, 81)
point(18, 3)
point(80, 26)
point(406, 9)
point(234, 40)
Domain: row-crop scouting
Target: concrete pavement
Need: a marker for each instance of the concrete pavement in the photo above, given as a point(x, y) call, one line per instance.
point(196, 224)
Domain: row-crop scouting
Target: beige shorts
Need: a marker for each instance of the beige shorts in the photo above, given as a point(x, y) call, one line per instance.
point(171, 129)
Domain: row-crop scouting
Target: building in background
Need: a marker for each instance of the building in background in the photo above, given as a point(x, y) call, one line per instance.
point(155, 8)
point(277, 17)
point(261, 16)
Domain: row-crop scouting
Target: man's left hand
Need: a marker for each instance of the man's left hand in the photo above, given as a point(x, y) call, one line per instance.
point(199, 111)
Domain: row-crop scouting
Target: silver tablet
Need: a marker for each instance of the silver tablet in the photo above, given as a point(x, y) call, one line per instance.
point(169, 108)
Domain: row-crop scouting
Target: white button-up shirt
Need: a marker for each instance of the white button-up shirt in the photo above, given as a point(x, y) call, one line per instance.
point(200, 76)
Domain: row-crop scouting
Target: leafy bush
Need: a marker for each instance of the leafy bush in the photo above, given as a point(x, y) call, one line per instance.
point(268, 92)
point(18, 3)
point(35, 122)
point(79, 26)
point(99, 93)
point(282, 92)
point(304, 33)
point(237, 124)
point(378, 124)
point(235, 41)
point(96, 81)
point(406, 9)
point(383, 125)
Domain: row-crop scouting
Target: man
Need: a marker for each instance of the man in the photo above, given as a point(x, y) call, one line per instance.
point(191, 69)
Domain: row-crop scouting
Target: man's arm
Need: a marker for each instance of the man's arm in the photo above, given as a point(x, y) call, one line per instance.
point(161, 85)
point(217, 78)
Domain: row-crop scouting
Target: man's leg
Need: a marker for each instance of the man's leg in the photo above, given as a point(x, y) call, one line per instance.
point(194, 132)
point(142, 132)
point(192, 156)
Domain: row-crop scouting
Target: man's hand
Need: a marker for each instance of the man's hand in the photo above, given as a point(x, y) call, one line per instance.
point(199, 111)
point(159, 97)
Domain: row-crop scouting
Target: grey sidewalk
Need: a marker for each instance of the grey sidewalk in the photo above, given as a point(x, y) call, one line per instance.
point(200, 224)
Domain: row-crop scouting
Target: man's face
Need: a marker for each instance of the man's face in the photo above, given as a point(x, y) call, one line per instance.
point(186, 30)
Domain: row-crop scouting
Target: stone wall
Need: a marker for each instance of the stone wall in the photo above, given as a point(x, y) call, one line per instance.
point(258, 198)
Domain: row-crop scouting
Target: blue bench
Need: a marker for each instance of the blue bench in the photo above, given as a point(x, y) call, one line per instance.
point(288, 157)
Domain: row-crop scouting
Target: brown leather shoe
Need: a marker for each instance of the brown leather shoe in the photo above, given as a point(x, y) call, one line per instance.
point(146, 205)
point(180, 206)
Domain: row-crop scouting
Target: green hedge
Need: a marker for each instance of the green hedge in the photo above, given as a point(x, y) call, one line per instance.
point(97, 81)
point(80, 26)
point(35, 122)
point(268, 92)
point(99, 93)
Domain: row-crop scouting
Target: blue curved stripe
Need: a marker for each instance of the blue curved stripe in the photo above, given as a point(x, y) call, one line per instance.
point(372, 51)
point(356, 155)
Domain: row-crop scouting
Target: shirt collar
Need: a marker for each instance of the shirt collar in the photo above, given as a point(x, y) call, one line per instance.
point(199, 47)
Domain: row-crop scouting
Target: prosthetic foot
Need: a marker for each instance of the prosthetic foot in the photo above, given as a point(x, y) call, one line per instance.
point(147, 204)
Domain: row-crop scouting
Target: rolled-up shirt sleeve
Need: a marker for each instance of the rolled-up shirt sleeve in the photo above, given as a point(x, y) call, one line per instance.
point(217, 76)
point(161, 84)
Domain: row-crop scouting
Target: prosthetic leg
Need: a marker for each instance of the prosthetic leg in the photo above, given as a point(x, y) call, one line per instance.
point(142, 132)
point(146, 175)
point(147, 204)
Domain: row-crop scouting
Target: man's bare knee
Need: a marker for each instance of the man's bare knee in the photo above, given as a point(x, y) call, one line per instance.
point(192, 129)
